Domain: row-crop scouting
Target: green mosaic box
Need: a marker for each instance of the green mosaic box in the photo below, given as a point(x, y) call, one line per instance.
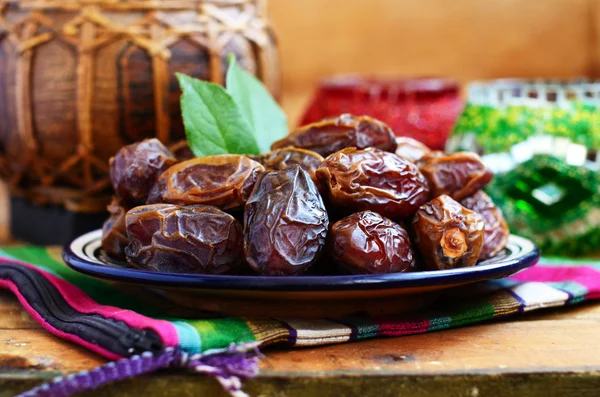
point(541, 138)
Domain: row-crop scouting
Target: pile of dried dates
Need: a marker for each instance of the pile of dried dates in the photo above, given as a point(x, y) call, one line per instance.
point(341, 195)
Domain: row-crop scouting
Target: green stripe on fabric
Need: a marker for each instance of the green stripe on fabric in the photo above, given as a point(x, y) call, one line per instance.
point(7, 253)
point(222, 332)
point(577, 291)
point(100, 291)
point(366, 330)
point(361, 326)
point(189, 340)
point(463, 314)
point(437, 323)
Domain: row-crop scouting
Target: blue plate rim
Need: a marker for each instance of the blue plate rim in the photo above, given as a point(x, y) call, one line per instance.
point(485, 271)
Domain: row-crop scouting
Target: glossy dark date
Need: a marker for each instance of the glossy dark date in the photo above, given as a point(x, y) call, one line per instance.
point(193, 239)
point(281, 159)
point(411, 149)
point(496, 233)
point(447, 234)
point(135, 168)
point(366, 242)
point(457, 175)
point(333, 134)
point(224, 181)
point(375, 180)
point(114, 234)
point(285, 223)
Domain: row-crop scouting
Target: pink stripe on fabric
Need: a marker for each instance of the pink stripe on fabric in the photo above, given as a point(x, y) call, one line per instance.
point(396, 327)
point(586, 276)
point(84, 304)
point(61, 334)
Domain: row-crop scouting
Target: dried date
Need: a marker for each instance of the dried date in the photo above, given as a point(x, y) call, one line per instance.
point(366, 242)
point(434, 154)
point(224, 181)
point(193, 239)
point(281, 159)
point(135, 168)
point(333, 134)
point(496, 232)
point(375, 180)
point(457, 175)
point(447, 234)
point(114, 233)
point(411, 149)
point(285, 223)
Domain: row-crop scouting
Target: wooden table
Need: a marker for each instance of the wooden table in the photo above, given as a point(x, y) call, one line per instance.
point(553, 353)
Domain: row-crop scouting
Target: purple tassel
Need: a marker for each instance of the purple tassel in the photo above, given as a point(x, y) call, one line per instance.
point(230, 367)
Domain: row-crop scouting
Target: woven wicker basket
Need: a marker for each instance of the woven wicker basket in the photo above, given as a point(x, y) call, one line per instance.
point(79, 79)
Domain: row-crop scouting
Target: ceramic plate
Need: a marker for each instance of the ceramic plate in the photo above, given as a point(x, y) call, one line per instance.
point(229, 294)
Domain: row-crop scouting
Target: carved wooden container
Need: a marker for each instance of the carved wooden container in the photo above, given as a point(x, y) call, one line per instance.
point(80, 79)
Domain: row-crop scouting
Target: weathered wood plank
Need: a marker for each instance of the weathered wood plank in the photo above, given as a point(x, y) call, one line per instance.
point(584, 384)
point(12, 315)
point(27, 350)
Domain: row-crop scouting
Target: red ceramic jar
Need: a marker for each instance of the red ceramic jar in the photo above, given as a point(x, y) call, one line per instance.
point(425, 109)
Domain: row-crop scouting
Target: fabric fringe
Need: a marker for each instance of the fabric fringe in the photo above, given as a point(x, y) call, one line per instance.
point(230, 367)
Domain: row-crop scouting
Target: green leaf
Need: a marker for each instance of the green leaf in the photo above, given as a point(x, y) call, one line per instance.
point(212, 120)
point(256, 104)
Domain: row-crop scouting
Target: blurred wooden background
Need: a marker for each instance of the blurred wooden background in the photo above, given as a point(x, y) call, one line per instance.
point(464, 39)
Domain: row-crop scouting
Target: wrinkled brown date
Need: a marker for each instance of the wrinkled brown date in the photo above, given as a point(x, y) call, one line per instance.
point(135, 168)
point(434, 154)
point(285, 223)
point(194, 239)
point(496, 232)
point(457, 175)
point(410, 149)
point(333, 134)
point(224, 181)
point(281, 159)
point(447, 234)
point(375, 180)
point(114, 234)
point(366, 242)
